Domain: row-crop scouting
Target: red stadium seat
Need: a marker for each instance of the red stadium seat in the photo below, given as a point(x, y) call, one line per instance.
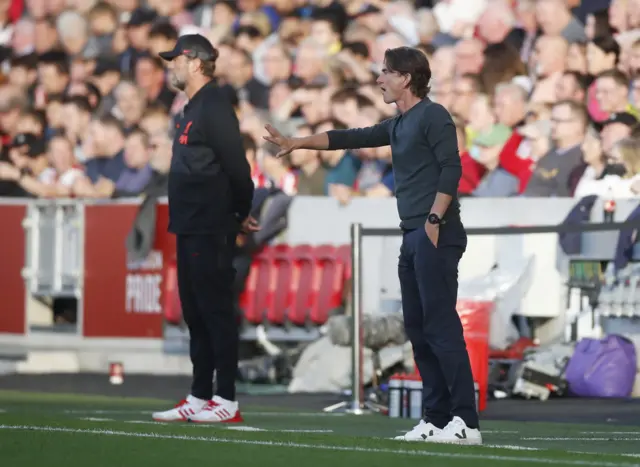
point(171, 299)
point(328, 284)
point(279, 285)
point(344, 255)
point(301, 284)
point(253, 300)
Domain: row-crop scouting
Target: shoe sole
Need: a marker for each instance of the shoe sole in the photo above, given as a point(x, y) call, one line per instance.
point(232, 420)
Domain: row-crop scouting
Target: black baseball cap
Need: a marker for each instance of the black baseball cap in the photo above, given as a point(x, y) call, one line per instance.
point(193, 46)
point(35, 146)
point(620, 117)
point(141, 17)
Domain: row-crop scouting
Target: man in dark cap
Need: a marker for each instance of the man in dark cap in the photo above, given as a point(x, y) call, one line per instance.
point(210, 196)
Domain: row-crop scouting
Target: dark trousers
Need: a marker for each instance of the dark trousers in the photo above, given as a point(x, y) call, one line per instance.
point(429, 284)
point(205, 282)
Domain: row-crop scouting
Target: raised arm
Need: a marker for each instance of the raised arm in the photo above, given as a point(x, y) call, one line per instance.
point(369, 137)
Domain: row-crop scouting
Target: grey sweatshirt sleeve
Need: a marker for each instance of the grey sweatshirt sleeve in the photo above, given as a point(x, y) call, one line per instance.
point(441, 134)
point(355, 138)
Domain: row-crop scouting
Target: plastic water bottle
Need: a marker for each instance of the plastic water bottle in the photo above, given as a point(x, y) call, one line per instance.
point(395, 396)
point(414, 388)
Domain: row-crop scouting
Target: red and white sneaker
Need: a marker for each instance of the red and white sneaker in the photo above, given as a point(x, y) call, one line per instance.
point(218, 410)
point(182, 411)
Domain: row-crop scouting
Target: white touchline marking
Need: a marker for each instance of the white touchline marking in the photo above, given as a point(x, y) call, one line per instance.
point(253, 414)
point(145, 422)
point(3, 411)
point(580, 439)
point(610, 432)
point(514, 448)
point(93, 419)
point(323, 447)
point(244, 428)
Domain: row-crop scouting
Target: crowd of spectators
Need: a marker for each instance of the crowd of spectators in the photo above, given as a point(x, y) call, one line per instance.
point(544, 93)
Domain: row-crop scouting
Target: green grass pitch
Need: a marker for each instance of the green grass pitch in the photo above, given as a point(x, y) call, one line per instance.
point(78, 431)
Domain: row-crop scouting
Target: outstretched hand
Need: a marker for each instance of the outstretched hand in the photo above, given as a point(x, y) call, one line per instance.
point(275, 137)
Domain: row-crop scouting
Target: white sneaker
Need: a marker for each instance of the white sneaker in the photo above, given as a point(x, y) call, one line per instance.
point(182, 411)
point(218, 410)
point(457, 432)
point(423, 431)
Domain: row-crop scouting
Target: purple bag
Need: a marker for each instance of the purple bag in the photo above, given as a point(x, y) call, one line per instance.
point(602, 368)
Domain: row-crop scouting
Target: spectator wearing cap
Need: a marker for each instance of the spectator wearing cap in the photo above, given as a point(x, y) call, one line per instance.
point(612, 93)
point(596, 167)
point(553, 171)
point(137, 31)
point(555, 18)
point(150, 77)
point(496, 182)
point(616, 128)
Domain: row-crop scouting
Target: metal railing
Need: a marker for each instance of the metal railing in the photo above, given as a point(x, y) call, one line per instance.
point(54, 233)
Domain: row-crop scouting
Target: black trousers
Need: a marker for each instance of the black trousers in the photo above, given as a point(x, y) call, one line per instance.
point(205, 283)
point(429, 285)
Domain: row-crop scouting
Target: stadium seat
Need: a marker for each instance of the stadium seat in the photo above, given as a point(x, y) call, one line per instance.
point(344, 254)
point(171, 298)
point(278, 295)
point(253, 300)
point(328, 284)
point(301, 284)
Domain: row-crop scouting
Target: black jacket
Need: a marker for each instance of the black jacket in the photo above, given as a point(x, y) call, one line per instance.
point(210, 186)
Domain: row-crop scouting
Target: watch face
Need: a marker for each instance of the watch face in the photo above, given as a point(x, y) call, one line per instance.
point(433, 219)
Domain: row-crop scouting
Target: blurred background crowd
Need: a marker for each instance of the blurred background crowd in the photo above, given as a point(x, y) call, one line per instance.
point(545, 93)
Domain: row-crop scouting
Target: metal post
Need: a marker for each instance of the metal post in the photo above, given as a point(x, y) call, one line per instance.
point(357, 405)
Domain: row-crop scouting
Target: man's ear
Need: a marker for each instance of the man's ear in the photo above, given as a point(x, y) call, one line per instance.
point(406, 80)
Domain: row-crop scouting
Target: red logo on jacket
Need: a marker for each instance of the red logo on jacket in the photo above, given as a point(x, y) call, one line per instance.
point(184, 137)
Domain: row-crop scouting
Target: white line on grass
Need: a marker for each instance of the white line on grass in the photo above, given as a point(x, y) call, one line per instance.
point(580, 439)
point(252, 414)
point(610, 432)
point(93, 419)
point(323, 447)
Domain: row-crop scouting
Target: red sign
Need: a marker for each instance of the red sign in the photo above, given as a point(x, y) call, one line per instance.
point(122, 298)
point(12, 251)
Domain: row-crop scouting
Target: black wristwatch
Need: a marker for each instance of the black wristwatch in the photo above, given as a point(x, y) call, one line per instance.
point(434, 219)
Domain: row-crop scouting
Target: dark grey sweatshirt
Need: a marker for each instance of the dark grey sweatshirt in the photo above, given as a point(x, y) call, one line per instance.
point(425, 158)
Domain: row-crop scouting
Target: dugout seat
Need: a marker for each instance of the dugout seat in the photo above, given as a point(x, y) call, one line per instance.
point(299, 289)
point(280, 277)
point(343, 252)
point(326, 294)
point(253, 300)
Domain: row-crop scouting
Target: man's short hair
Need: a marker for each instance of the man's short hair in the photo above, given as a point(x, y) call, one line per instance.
point(79, 102)
point(616, 75)
point(29, 61)
point(608, 45)
point(139, 132)
point(109, 121)
point(578, 110)
point(411, 62)
point(57, 59)
point(582, 81)
point(163, 29)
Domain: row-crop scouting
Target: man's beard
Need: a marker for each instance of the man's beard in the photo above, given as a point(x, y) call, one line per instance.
point(178, 83)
